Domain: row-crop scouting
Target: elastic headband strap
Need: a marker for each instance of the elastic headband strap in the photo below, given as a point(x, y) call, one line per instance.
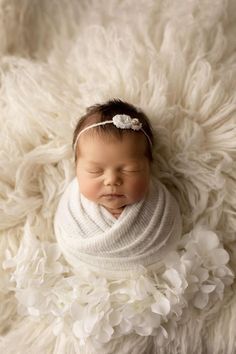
point(121, 121)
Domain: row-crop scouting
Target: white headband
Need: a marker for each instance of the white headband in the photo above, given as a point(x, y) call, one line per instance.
point(121, 121)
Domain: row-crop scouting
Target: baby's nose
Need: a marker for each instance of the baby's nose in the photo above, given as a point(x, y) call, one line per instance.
point(112, 178)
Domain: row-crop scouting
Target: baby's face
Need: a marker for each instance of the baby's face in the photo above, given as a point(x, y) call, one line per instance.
point(112, 172)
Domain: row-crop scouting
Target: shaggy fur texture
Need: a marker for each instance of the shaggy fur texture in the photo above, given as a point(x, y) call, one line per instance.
point(174, 59)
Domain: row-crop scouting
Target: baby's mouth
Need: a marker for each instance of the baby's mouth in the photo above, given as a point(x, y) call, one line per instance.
point(112, 195)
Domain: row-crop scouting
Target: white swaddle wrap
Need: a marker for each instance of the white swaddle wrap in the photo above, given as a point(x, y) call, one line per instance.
point(142, 235)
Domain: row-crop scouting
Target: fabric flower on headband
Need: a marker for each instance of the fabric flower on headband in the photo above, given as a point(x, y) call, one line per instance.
point(124, 121)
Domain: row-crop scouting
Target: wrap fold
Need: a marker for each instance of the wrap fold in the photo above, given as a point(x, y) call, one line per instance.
point(141, 237)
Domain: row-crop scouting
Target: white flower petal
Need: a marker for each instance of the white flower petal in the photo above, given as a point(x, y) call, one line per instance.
point(202, 274)
point(172, 276)
point(56, 268)
point(77, 311)
point(217, 257)
point(208, 288)
point(90, 321)
point(164, 332)
point(125, 326)
point(153, 319)
point(78, 329)
point(53, 252)
point(208, 239)
point(104, 336)
point(200, 300)
point(162, 307)
point(222, 271)
point(144, 331)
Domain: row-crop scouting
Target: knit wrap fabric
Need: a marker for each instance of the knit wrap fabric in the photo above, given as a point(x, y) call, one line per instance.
point(142, 235)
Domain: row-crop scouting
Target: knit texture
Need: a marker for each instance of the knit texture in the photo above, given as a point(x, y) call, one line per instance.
point(143, 234)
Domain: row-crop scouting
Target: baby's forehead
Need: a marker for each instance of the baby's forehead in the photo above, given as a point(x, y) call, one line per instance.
point(128, 146)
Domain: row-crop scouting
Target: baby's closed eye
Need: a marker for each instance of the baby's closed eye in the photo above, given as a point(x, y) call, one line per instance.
point(95, 171)
point(131, 170)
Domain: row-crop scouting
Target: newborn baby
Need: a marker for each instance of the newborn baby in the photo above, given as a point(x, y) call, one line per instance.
point(114, 216)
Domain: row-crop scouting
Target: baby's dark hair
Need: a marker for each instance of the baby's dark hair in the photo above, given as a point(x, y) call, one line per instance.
point(106, 111)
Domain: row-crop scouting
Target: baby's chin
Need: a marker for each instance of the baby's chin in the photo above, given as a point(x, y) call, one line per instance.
point(118, 203)
point(115, 211)
point(113, 202)
point(114, 207)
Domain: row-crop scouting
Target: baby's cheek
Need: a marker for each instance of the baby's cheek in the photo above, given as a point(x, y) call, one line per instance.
point(139, 188)
point(89, 189)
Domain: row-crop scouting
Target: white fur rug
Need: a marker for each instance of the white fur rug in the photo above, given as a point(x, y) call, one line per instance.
point(174, 59)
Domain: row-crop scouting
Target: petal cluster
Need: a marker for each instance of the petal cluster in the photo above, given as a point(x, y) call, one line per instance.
point(97, 309)
point(205, 263)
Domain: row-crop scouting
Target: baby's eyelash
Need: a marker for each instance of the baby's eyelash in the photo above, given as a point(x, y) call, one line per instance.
point(95, 172)
point(131, 170)
point(122, 170)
